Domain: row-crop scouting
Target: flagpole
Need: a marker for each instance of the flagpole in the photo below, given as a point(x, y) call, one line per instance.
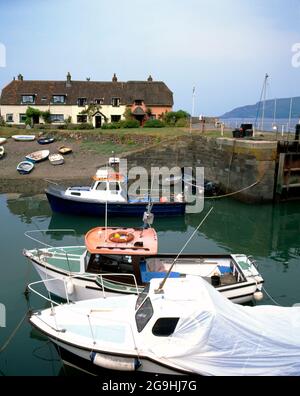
point(193, 110)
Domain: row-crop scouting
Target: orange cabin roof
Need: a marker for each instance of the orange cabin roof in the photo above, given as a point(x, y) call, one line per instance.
point(122, 241)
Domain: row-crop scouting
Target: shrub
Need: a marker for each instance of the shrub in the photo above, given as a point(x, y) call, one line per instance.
point(85, 126)
point(154, 124)
point(129, 124)
point(2, 122)
point(182, 122)
point(112, 125)
point(46, 115)
point(172, 117)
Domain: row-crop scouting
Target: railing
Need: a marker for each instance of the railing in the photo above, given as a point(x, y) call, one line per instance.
point(101, 276)
point(39, 252)
point(88, 316)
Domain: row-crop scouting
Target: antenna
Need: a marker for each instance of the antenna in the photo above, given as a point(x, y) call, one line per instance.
point(161, 286)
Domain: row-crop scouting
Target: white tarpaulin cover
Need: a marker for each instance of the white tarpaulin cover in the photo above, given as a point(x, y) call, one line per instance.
point(217, 337)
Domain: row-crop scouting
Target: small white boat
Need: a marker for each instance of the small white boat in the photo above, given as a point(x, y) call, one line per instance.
point(24, 138)
point(56, 159)
point(182, 326)
point(3, 140)
point(25, 167)
point(38, 156)
point(65, 150)
point(2, 152)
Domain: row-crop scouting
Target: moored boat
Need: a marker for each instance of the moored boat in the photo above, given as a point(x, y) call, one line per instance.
point(181, 326)
point(56, 159)
point(23, 138)
point(122, 260)
point(25, 167)
point(109, 192)
point(38, 156)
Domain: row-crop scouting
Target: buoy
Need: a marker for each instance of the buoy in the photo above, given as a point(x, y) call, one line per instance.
point(70, 286)
point(258, 296)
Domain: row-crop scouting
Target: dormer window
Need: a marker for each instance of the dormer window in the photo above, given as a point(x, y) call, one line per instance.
point(58, 99)
point(115, 102)
point(82, 102)
point(28, 99)
point(99, 101)
point(138, 102)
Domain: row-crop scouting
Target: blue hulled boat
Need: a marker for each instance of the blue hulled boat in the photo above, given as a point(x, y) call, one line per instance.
point(108, 193)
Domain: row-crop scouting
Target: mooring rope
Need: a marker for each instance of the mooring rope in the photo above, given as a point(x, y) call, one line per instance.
point(13, 333)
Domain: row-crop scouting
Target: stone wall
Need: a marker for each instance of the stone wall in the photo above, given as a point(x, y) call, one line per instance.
point(234, 164)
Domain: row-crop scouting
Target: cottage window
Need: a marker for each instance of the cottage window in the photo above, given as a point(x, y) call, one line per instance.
point(57, 118)
point(115, 118)
point(28, 99)
point(81, 118)
point(9, 118)
point(58, 99)
point(82, 102)
point(138, 102)
point(22, 118)
point(99, 101)
point(115, 102)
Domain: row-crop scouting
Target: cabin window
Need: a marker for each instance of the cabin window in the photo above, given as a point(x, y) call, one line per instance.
point(57, 118)
point(81, 118)
point(165, 327)
point(143, 315)
point(9, 118)
point(142, 296)
point(101, 186)
point(58, 99)
point(28, 99)
point(115, 102)
point(115, 118)
point(22, 118)
point(82, 102)
point(114, 188)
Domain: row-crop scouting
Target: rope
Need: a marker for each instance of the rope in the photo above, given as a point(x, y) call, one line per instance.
point(13, 333)
point(271, 298)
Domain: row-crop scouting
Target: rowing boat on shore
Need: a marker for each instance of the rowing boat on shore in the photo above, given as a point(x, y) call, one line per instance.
point(65, 150)
point(38, 156)
point(25, 167)
point(3, 140)
point(56, 159)
point(2, 152)
point(23, 138)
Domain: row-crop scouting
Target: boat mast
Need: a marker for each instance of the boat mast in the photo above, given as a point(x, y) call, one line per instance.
point(290, 115)
point(275, 112)
point(264, 102)
point(193, 109)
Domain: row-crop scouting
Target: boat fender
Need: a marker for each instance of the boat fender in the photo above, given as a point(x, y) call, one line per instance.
point(70, 286)
point(258, 296)
point(115, 362)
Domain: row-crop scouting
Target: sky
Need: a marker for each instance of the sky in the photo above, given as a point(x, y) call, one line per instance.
point(223, 48)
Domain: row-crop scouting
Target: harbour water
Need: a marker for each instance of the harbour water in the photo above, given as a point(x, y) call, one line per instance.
point(271, 234)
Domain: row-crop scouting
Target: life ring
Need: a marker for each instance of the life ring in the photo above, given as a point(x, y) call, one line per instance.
point(121, 237)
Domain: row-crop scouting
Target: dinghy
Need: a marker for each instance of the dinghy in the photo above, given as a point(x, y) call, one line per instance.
point(65, 150)
point(3, 140)
point(38, 156)
point(25, 167)
point(23, 138)
point(56, 159)
point(45, 140)
point(2, 152)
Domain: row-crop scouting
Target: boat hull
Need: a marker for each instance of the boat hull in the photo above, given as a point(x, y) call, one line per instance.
point(87, 288)
point(62, 204)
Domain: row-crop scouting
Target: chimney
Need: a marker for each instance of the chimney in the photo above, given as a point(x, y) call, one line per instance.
point(115, 78)
point(150, 79)
point(69, 79)
point(20, 77)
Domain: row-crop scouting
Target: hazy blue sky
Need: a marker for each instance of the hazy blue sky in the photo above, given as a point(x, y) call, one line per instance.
point(223, 47)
